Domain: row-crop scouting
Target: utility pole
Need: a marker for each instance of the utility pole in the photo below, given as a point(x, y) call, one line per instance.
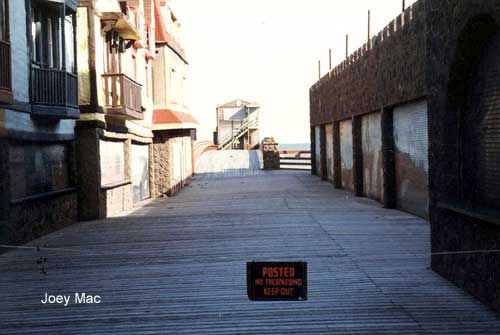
point(369, 26)
point(330, 58)
point(346, 46)
point(319, 69)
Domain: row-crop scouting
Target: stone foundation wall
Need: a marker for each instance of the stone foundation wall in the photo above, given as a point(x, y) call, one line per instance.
point(164, 144)
point(33, 219)
point(270, 154)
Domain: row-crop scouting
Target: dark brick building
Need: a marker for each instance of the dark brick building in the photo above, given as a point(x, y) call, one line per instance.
point(412, 119)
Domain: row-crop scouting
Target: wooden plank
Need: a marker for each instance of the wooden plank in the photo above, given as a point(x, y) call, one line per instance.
point(178, 266)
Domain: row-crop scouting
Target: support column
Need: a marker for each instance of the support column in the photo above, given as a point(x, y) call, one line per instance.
point(88, 171)
point(313, 150)
point(357, 156)
point(337, 163)
point(388, 159)
point(322, 149)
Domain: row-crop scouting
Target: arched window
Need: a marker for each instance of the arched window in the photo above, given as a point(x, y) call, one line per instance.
point(474, 92)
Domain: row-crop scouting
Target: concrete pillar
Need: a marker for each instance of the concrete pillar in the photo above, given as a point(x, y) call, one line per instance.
point(337, 163)
point(89, 172)
point(357, 156)
point(388, 158)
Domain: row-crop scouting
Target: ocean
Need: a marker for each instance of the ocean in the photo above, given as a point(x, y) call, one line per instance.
point(294, 146)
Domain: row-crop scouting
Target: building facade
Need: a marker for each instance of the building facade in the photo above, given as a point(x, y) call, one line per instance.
point(116, 49)
point(174, 127)
point(38, 108)
point(412, 119)
point(237, 125)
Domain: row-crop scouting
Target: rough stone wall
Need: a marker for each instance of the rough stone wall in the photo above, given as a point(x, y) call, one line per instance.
point(164, 158)
point(454, 226)
point(162, 164)
point(270, 154)
point(33, 219)
point(388, 70)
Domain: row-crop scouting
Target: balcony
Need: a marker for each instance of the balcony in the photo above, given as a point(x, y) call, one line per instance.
point(54, 93)
point(122, 96)
point(5, 73)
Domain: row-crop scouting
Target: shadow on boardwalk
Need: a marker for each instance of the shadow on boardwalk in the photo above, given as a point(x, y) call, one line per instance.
point(177, 266)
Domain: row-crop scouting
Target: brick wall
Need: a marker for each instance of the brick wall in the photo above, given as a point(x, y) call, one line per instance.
point(388, 70)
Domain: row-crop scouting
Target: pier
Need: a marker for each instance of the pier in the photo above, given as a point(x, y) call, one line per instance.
point(177, 265)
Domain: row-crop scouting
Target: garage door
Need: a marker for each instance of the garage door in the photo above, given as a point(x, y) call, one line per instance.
point(372, 155)
point(411, 154)
point(346, 157)
point(329, 150)
point(140, 171)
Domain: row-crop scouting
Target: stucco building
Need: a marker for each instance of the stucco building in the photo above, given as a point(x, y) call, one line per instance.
point(116, 49)
point(174, 126)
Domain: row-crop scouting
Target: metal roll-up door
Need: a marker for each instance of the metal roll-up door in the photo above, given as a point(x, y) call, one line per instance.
point(317, 149)
point(372, 155)
point(346, 154)
point(411, 157)
point(329, 150)
point(140, 171)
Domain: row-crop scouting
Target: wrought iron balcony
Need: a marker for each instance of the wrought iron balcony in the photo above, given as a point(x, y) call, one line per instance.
point(5, 73)
point(54, 92)
point(122, 96)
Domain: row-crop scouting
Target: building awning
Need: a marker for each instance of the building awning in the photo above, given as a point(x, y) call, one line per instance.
point(166, 119)
point(120, 23)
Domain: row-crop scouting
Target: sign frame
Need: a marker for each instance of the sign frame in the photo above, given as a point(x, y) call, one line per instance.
point(256, 292)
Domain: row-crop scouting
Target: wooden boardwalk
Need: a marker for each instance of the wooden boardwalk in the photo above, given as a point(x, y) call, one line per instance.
point(177, 266)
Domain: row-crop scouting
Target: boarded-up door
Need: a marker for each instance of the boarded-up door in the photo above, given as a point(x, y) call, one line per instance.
point(411, 154)
point(372, 155)
point(140, 171)
point(329, 150)
point(317, 149)
point(346, 154)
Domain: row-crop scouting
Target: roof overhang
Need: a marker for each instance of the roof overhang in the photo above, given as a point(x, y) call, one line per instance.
point(167, 119)
point(120, 23)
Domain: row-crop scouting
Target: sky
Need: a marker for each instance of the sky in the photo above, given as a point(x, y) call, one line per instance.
point(267, 51)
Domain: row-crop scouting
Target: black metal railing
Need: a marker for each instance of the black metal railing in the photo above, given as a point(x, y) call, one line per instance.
point(5, 66)
point(53, 87)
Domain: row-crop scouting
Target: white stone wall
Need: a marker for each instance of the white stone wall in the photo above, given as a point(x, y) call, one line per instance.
point(20, 51)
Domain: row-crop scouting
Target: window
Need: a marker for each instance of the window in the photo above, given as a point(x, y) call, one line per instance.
point(3, 21)
point(38, 168)
point(47, 39)
point(5, 56)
